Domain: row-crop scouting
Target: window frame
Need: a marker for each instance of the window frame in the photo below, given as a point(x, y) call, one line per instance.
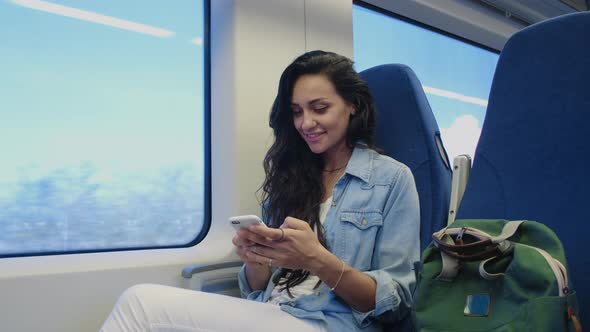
point(394, 15)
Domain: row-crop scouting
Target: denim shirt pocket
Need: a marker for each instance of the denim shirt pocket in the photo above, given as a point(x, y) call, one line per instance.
point(360, 230)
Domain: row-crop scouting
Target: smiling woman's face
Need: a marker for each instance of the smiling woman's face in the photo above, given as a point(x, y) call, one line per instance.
point(320, 115)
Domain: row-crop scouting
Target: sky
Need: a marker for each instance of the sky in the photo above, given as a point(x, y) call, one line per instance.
point(456, 76)
point(116, 83)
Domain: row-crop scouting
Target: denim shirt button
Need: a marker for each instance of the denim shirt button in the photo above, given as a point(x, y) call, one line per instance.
point(364, 222)
point(333, 203)
point(292, 303)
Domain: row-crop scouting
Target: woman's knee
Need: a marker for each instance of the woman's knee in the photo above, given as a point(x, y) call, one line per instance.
point(133, 308)
point(141, 295)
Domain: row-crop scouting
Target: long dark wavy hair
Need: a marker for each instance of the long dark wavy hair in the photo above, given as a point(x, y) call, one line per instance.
point(293, 185)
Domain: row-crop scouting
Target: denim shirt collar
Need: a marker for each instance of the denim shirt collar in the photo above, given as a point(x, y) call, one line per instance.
point(361, 162)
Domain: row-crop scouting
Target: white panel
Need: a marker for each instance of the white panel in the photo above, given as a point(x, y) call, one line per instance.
point(463, 18)
point(267, 37)
point(532, 11)
point(71, 302)
point(329, 26)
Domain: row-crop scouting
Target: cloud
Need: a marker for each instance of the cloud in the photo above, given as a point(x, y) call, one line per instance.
point(89, 16)
point(461, 137)
point(197, 41)
point(454, 95)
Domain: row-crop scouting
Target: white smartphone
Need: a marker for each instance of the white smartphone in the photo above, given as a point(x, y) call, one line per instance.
point(238, 222)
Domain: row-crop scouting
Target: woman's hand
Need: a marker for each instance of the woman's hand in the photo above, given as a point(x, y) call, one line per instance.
point(243, 243)
point(257, 274)
point(294, 246)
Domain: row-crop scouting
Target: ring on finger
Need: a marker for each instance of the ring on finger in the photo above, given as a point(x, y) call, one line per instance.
point(282, 235)
point(270, 262)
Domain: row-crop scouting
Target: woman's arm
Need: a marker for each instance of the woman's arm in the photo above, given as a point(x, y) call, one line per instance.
point(257, 274)
point(354, 287)
point(397, 249)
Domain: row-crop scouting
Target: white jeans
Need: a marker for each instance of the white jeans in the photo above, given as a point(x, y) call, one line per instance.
point(159, 308)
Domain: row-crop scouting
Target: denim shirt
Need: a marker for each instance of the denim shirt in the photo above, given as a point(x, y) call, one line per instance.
point(373, 225)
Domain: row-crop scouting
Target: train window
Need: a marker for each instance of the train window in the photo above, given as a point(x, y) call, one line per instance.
point(103, 125)
point(456, 75)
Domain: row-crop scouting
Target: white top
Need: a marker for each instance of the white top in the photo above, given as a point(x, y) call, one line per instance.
point(306, 287)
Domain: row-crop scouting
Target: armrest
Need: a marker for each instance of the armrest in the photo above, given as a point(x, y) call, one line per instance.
point(461, 170)
point(221, 278)
point(190, 270)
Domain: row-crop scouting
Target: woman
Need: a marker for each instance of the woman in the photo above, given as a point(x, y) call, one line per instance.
point(344, 223)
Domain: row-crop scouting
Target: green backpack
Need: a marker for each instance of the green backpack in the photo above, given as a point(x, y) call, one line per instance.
point(495, 275)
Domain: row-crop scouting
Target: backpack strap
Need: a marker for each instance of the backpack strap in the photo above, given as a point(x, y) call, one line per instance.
point(558, 269)
point(508, 230)
point(450, 267)
point(486, 248)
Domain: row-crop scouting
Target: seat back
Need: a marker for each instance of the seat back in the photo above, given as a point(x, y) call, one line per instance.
point(531, 161)
point(407, 131)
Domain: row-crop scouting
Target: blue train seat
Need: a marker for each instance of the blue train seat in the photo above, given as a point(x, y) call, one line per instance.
point(407, 131)
point(532, 158)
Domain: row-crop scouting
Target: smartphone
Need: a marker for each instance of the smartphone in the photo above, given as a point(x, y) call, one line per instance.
point(238, 222)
